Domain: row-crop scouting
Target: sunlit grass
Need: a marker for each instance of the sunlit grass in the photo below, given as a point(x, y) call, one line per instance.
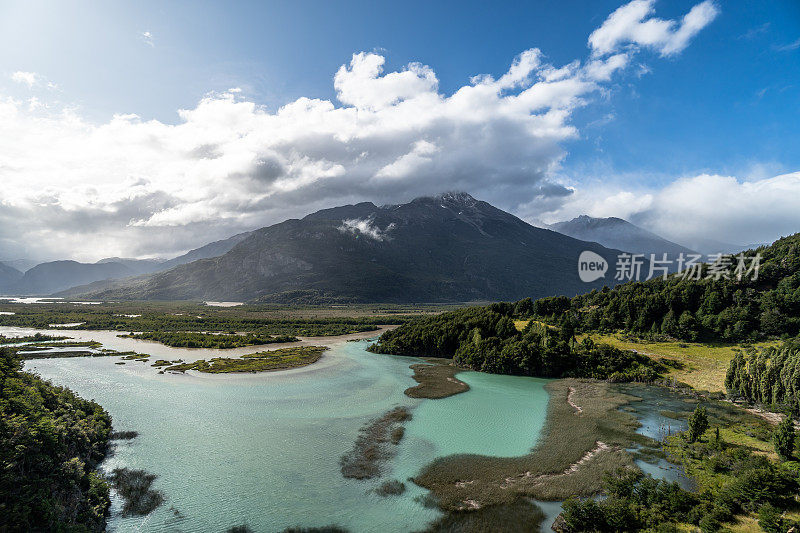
point(703, 365)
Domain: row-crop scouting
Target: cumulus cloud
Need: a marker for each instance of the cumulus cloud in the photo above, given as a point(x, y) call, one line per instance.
point(730, 209)
point(367, 228)
point(132, 186)
point(633, 24)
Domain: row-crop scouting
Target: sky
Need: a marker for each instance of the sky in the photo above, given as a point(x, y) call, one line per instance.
point(146, 129)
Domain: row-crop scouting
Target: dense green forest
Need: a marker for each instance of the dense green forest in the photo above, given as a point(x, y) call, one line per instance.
point(51, 440)
point(719, 307)
point(770, 376)
point(485, 339)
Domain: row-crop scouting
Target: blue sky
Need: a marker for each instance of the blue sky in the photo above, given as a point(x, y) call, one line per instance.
point(726, 105)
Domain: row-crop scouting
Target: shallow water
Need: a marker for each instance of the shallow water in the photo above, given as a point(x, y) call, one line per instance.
point(650, 412)
point(264, 449)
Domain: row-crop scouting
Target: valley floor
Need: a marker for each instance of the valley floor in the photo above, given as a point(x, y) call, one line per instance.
point(591, 427)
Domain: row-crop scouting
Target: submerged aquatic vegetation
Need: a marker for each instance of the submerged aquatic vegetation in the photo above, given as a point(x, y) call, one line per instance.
point(123, 435)
point(519, 516)
point(135, 488)
point(391, 488)
point(374, 445)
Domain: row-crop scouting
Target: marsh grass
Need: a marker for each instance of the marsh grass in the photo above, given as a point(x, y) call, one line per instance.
point(374, 445)
point(436, 381)
point(545, 473)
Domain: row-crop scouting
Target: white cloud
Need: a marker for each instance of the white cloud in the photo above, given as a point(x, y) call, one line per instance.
point(367, 228)
point(147, 37)
point(32, 79)
point(633, 24)
point(143, 187)
point(727, 208)
point(28, 78)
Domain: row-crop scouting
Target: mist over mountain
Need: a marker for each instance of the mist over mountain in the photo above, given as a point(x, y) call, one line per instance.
point(59, 276)
point(620, 234)
point(450, 247)
point(47, 278)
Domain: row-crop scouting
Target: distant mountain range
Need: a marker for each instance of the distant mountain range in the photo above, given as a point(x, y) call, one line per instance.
point(57, 276)
point(450, 247)
point(620, 234)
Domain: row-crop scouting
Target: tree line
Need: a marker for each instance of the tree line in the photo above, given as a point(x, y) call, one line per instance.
point(51, 441)
point(486, 339)
point(722, 308)
point(769, 376)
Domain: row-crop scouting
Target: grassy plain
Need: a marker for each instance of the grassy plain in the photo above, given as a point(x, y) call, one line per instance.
point(700, 365)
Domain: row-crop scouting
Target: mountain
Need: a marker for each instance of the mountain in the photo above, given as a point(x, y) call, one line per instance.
point(214, 249)
point(47, 278)
point(70, 278)
point(8, 277)
point(137, 266)
point(450, 247)
point(20, 264)
point(620, 234)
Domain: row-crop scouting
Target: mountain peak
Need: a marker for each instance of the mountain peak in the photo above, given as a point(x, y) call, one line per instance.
point(619, 234)
point(449, 199)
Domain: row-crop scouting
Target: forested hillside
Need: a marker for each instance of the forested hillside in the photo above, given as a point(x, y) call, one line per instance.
point(50, 442)
point(485, 339)
point(719, 307)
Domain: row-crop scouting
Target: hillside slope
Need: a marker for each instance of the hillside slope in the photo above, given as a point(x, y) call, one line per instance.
point(8, 277)
point(445, 248)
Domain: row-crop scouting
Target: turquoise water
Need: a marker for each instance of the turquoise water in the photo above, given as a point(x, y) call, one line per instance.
point(263, 450)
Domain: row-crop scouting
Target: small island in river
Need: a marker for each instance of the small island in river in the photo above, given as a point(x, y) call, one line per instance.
point(282, 359)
